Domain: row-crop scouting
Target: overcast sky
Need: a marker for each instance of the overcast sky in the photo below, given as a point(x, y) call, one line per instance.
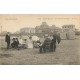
point(13, 23)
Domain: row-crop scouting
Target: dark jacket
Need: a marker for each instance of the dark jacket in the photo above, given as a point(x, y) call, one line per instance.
point(58, 39)
point(54, 40)
point(7, 38)
point(47, 41)
point(16, 43)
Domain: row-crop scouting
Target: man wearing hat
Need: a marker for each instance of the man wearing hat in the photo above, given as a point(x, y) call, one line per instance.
point(7, 39)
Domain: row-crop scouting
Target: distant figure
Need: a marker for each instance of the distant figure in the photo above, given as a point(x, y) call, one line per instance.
point(30, 42)
point(7, 40)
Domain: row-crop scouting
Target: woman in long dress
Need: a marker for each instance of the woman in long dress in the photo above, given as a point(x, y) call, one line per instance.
point(30, 42)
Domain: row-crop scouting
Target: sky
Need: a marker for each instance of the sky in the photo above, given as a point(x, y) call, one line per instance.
point(14, 22)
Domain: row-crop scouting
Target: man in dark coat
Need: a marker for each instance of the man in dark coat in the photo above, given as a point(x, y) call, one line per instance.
point(53, 43)
point(56, 38)
point(7, 40)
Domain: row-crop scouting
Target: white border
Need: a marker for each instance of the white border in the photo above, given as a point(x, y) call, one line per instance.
point(39, 6)
point(39, 72)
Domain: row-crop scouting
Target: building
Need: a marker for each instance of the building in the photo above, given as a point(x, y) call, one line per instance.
point(68, 32)
point(68, 28)
point(17, 32)
point(27, 30)
point(44, 28)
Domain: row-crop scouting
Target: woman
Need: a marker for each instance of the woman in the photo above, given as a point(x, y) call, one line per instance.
point(30, 42)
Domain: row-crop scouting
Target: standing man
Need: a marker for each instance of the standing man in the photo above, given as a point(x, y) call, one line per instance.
point(7, 40)
point(53, 44)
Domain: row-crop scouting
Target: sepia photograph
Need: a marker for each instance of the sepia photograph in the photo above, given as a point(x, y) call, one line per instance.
point(39, 39)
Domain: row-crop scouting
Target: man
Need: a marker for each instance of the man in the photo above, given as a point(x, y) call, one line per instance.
point(58, 39)
point(7, 40)
point(53, 43)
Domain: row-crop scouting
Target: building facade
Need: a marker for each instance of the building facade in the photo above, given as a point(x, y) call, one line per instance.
point(68, 32)
point(27, 30)
point(44, 28)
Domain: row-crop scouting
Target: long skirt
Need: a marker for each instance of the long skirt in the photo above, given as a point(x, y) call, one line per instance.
point(30, 45)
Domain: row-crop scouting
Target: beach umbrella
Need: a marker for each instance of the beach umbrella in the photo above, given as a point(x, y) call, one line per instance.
point(35, 38)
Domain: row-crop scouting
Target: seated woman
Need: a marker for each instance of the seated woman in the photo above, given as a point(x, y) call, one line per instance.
point(13, 44)
point(36, 44)
point(39, 43)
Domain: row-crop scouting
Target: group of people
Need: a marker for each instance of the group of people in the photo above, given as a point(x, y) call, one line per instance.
point(50, 45)
point(18, 43)
point(14, 43)
point(47, 45)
